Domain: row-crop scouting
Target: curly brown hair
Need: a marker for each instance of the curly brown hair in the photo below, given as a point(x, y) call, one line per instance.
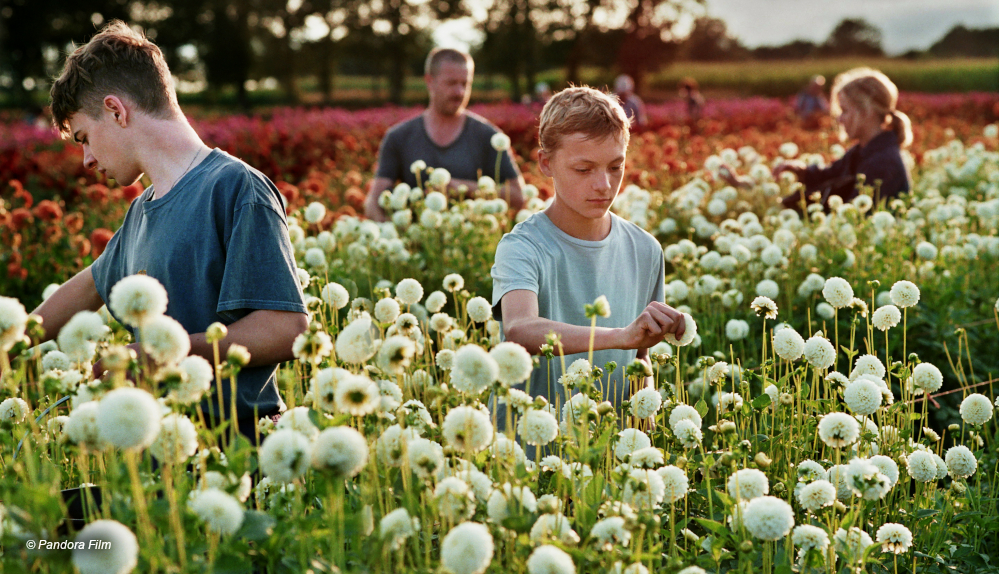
point(117, 61)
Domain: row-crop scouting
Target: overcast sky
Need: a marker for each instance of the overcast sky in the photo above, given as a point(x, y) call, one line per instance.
point(905, 24)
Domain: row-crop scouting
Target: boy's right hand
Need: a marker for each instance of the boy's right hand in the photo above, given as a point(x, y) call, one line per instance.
point(652, 325)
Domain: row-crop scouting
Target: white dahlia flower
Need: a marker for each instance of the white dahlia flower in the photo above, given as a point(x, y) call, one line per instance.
point(165, 340)
point(894, 538)
point(838, 430)
point(177, 440)
point(467, 549)
point(341, 451)
point(120, 557)
point(550, 560)
point(816, 495)
point(467, 429)
point(537, 427)
point(688, 335)
point(788, 344)
point(961, 462)
point(808, 537)
point(747, 484)
point(976, 409)
point(285, 455)
point(222, 513)
point(904, 294)
point(136, 299)
point(474, 369)
point(927, 377)
point(768, 518)
point(514, 363)
point(838, 292)
point(128, 418)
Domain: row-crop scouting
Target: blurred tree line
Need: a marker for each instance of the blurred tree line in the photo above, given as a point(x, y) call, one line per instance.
point(232, 44)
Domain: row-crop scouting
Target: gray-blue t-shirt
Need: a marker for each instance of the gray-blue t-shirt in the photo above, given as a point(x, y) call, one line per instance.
point(468, 155)
point(627, 267)
point(218, 242)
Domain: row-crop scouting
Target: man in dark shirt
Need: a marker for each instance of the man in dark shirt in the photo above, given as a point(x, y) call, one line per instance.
point(446, 135)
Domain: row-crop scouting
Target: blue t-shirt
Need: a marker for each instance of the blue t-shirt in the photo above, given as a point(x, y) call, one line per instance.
point(218, 242)
point(627, 267)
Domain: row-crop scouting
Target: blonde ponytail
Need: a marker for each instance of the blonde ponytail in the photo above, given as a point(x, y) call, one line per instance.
point(900, 124)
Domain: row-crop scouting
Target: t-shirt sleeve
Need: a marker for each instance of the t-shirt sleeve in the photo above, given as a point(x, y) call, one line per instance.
point(814, 175)
point(389, 157)
point(516, 267)
point(109, 266)
point(106, 269)
point(259, 264)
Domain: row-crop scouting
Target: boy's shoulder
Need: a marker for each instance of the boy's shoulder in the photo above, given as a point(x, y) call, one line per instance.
point(405, 127)
point(481, 123)
point(538, 233)
point(632, 232)
point(234, 177)
point(533, 231)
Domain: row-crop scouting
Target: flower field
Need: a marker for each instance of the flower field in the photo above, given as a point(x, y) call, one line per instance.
point(830, 408)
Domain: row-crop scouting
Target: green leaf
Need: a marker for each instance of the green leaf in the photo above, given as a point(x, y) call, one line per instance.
point(702, 407)
point(761, 402)
point(716, 527)
point(521, 522)
point(256, 525)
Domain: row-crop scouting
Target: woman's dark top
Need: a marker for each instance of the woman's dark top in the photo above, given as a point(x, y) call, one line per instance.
point(879, 160)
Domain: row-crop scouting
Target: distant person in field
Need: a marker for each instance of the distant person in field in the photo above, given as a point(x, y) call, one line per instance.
point(446, 135)
point(634, 107)
point(542, 92)
point(691, 94)
point(863, 101)
point(210, 228)
point(558, 260)
point(811, 104)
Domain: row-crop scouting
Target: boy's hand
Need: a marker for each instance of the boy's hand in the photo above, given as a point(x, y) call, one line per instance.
point(652, 325)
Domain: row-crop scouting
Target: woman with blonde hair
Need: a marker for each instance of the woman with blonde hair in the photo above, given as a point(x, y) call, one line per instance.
point(863, 101)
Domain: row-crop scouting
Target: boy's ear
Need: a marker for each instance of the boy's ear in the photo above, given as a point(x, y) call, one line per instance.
point(116, 106)
point(544, 162)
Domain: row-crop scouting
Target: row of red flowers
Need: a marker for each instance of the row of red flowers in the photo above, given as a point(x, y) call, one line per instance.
point(56, 216)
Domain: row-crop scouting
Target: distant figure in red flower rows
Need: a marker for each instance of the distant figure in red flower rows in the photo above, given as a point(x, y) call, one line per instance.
point(446, 135)
point(811, 103)
point(634, 107)
point(211, 229)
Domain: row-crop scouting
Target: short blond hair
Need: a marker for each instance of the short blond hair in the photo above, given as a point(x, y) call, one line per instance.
point(438, 56)
point(872, 90)
point(582, 110)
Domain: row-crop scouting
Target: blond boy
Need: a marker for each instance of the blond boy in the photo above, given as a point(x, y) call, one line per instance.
point(557, 261)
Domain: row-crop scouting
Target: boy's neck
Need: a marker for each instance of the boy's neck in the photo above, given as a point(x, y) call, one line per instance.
point(172, 150)
point(576, 225)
